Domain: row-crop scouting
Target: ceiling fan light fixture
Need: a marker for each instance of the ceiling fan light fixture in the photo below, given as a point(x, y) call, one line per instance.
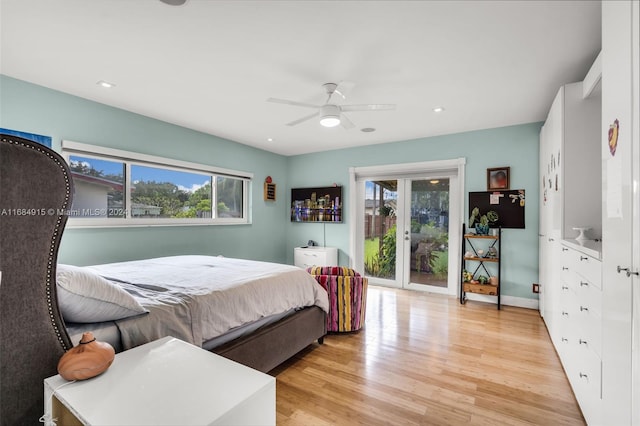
point(329, 116)
point(329, 121)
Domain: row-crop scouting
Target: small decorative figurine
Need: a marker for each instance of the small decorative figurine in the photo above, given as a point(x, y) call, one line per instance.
point(89, 359)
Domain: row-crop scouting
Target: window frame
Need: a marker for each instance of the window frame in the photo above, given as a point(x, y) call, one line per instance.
point(128, 158)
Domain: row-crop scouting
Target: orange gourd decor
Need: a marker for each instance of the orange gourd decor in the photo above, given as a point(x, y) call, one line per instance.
point(89, 359)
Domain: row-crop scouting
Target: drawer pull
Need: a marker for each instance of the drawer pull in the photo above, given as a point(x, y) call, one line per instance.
point(629, 273)
point(584, 376)
point(564, 339)
point(582, 342)
point(582, 308)
point(564, 268)
point(551, 239)
point(564, 287)
point(565, 313)
point(584, 258)
point(619, 269)
point(582, 284)
point(565, 249)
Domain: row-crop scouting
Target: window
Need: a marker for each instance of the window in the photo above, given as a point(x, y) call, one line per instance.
point(116, 188)
point(99, 187)
point(230, 197)
point(162, 193)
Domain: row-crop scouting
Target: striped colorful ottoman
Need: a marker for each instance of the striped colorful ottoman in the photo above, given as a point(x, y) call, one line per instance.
point(347, 296)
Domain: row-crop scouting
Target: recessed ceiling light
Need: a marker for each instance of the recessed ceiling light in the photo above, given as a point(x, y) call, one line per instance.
point(105, 84)
point(367, 129)
point(438, 109)
point(174, 2)
point(269, 139)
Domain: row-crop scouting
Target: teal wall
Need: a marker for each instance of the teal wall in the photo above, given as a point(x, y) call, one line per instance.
point(35, 109)
point(514, 146)
point(271, 237)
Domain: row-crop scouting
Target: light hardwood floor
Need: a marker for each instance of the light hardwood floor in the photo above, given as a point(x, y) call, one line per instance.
point(425, 359)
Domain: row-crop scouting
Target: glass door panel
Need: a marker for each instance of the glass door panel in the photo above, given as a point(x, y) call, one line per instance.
point(380, 229)
point(429, 222)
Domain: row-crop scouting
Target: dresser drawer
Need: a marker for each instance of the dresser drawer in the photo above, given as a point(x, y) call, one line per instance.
point(586, 380)
point(589, 268)
point(589, 295)
point(589, 331)
point(566, 273)
point(566, 327)
point(581, 264)
point(305, 257)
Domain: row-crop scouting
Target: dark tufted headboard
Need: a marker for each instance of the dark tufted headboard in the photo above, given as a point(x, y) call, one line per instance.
point(35, 190)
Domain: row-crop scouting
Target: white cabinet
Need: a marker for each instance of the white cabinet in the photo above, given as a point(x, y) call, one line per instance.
point(569, 171)
point(594, 317)
point(305, 257)
point(570, 164)
point(570, 271)
point(620, 210)
point(166, 382)
point(578, 334)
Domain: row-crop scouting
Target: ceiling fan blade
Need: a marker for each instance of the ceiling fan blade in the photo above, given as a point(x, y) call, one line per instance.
point(345, 122)
point(344, 88)
point(370, 107)
point(303, 119)
point(294, 103)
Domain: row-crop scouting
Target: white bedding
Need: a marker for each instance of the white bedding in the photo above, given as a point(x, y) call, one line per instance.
point(197, 298)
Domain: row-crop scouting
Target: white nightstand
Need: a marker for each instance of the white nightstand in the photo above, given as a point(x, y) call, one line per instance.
point(304, 257)
point(166, 382)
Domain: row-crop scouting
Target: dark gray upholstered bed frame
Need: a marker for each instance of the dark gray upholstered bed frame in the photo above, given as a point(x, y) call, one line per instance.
point(32, 333)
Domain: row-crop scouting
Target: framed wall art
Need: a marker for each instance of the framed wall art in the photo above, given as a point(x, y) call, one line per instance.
point(498, 178)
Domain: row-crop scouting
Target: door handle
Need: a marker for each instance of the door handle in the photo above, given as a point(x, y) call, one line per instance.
point(627, 271)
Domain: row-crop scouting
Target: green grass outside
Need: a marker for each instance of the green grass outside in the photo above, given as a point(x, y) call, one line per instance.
point(371, 247)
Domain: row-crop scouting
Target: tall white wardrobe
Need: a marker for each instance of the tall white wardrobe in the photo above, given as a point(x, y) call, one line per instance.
point(590, 176)
point(620, 213)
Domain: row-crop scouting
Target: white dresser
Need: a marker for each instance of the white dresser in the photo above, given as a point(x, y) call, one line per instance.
point(166, 382)
point(578, 333)
point(305, 257)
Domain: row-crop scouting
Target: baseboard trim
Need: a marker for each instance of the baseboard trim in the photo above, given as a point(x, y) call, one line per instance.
point(519, 302)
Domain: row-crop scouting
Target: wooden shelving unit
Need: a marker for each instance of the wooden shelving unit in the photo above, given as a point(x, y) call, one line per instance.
point(473, 243)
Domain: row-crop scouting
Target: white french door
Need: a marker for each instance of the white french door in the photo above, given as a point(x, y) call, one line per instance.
point(405, 229)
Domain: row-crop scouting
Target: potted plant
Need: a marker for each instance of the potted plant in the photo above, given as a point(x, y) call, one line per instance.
point(482, 222)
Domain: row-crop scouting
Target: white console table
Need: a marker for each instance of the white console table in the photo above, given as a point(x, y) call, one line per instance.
point(305, 257)
point(166, 382)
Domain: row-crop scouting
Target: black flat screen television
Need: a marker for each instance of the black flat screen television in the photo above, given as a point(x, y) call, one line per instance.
point(322, 204)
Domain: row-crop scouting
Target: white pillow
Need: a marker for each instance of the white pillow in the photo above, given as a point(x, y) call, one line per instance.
point(84, 296)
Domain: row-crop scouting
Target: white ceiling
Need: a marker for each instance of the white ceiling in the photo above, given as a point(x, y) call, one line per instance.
point(211, 65)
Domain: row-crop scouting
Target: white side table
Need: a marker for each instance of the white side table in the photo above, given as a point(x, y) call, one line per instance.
point(166, 382)
point(304, 257)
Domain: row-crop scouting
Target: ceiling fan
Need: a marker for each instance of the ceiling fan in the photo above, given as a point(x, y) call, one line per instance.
point(332, 114)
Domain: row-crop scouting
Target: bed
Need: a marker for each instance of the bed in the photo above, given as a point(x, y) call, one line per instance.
point(36, 180)
point(209, 301)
